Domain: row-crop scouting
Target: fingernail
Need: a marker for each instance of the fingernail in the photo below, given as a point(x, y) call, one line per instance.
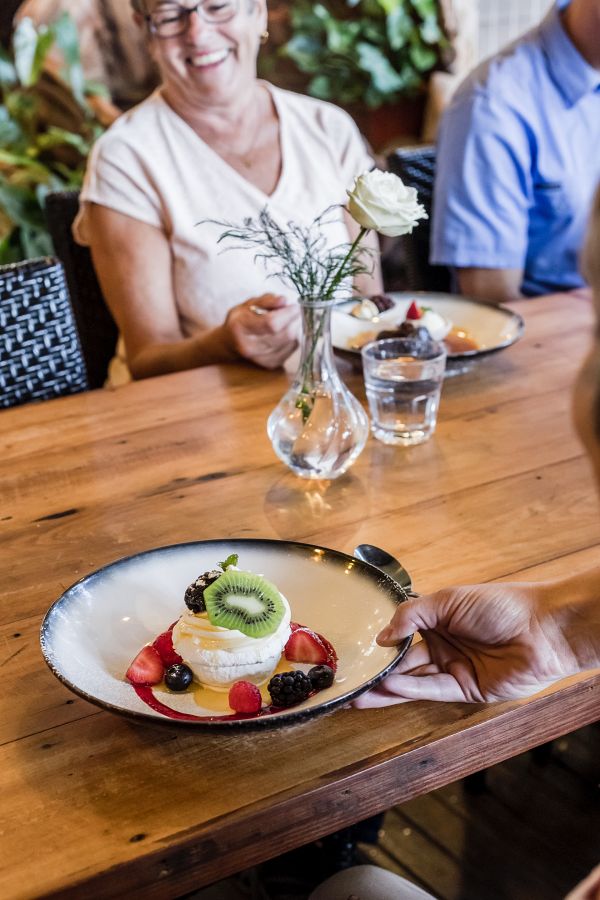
point(384, 635)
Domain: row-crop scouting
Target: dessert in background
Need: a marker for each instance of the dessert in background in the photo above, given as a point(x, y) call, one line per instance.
point(425, 324)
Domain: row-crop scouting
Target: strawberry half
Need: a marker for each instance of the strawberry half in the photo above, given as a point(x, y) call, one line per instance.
point(306, 647)
point(413, 311)
point(146, 668)
point(245, 697)
point(164, 647)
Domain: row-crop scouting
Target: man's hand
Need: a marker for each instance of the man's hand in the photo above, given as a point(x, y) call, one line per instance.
point(264, 329)
point(480, 643)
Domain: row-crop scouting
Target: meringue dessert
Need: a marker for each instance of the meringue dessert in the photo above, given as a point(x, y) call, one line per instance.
point(235, 627)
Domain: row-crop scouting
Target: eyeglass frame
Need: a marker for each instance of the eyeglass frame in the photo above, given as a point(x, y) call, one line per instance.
point(185, 15)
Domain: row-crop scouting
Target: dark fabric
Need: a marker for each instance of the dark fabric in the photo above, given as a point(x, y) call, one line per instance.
point(416, 167)
point(97, 329)
point(40, 353)
point(7, 10)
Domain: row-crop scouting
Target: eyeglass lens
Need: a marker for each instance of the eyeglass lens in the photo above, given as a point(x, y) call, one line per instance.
point(172, 20)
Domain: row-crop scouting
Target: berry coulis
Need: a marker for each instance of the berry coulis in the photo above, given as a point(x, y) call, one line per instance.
point(217, 700)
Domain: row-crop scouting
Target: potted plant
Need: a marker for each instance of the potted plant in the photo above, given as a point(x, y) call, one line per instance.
point(46, 131)
point(364, 55)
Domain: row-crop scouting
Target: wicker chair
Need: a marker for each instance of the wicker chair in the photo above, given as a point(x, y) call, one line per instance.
point(40, 353)
point(97, 329)
point(416, 168)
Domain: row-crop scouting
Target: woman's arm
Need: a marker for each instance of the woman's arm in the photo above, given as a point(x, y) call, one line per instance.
point(134, 265)
point(371, 282)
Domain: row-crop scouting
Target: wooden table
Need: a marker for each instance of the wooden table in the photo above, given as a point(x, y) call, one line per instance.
point(96, 806)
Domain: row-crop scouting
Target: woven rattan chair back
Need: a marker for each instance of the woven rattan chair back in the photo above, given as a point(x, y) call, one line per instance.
point(95, 324)
point(40, 353)
point(416, 168)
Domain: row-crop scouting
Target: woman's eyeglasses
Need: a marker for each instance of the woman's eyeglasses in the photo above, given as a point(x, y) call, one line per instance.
point(174, 21)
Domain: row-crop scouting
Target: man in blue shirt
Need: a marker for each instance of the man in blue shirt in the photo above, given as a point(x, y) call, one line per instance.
point(518, 159)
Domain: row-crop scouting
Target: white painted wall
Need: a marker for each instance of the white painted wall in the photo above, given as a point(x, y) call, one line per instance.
point(500, 21)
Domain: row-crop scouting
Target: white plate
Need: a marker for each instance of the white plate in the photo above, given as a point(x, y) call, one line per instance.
point(94, 630)
point(492, 327)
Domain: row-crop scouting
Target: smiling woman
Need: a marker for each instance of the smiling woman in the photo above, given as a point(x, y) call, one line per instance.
point(212, 142)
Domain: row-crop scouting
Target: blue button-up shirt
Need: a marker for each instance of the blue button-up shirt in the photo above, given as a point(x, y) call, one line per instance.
point(517, 162)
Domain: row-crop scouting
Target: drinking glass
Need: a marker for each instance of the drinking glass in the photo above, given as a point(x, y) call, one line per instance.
point(403, 380)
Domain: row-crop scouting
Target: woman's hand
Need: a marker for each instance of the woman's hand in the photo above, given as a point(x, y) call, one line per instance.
point(480, 643)
point(264, 329)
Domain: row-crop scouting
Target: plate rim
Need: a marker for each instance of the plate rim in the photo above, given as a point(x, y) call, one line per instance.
point(295, 715)
point(442, 296)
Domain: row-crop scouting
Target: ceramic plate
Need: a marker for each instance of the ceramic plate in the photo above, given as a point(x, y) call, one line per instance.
point(93, 631)
point(492, 327)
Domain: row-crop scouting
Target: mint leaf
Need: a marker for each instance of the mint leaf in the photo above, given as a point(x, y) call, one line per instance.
point(232, 560)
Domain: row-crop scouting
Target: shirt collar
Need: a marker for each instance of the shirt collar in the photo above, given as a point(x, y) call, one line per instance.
point(572, 74)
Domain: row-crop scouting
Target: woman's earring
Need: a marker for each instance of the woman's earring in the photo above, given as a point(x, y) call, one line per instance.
point(264, 37)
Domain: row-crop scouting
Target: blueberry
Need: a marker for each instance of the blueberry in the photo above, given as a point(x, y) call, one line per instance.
point(178, 677)
point(321, 677)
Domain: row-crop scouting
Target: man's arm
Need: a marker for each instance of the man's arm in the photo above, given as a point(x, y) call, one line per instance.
point(488, 642)
point(491, 286)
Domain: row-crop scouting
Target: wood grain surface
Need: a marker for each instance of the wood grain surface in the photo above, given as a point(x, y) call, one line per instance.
point(94, 805)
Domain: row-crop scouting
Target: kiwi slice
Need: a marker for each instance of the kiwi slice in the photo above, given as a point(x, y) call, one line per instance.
point(244, 601)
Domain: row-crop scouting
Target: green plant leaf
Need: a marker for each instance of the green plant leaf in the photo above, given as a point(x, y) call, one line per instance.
point(383, 75)
point(8, 73)
point(232, 560)
point(425, 8)
point(67, 39)
point(56, 137)
point(321, 87)
point(305, 51)
point(422, 58)
point(399, 27)
point(96, 89)
point(36, 241)
point(25, 41)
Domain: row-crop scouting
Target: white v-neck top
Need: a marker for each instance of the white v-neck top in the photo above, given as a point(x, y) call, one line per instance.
point(152, 166)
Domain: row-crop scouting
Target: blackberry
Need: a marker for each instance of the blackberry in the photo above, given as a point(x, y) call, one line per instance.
point(178, 677)
point(194, 594)
point(321, 677)
point(289, 688)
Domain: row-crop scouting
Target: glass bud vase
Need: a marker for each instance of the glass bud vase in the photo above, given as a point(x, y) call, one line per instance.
point(318, 428)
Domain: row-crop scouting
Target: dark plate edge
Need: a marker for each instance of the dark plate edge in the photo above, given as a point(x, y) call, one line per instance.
point(294, 717)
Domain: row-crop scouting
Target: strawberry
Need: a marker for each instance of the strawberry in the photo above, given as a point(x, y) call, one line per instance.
point(413, 311)
point(146, 668)
point(244, 697)
point(306, 647)
point(164, 647)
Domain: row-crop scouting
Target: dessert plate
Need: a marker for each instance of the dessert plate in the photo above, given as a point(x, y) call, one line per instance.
point(94, 630)
point(491, 327)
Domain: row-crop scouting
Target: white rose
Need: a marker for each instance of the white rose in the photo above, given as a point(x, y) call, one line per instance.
point(381, 201)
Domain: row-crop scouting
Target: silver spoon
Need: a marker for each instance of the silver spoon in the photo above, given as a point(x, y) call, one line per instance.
point(383, 560)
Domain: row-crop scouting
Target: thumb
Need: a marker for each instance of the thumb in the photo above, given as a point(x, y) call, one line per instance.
point(419, 614)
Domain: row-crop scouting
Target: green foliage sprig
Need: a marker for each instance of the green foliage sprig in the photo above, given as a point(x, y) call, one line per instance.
point(315, 270)
point(46, 132)
point(367, 52)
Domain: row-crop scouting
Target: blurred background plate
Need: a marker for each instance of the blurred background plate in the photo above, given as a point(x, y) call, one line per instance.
point(492, 327)
point(95, 629)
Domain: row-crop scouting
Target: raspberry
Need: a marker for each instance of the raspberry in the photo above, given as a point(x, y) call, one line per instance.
point(289, 688)
point(194, 594)
point(244, 697)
